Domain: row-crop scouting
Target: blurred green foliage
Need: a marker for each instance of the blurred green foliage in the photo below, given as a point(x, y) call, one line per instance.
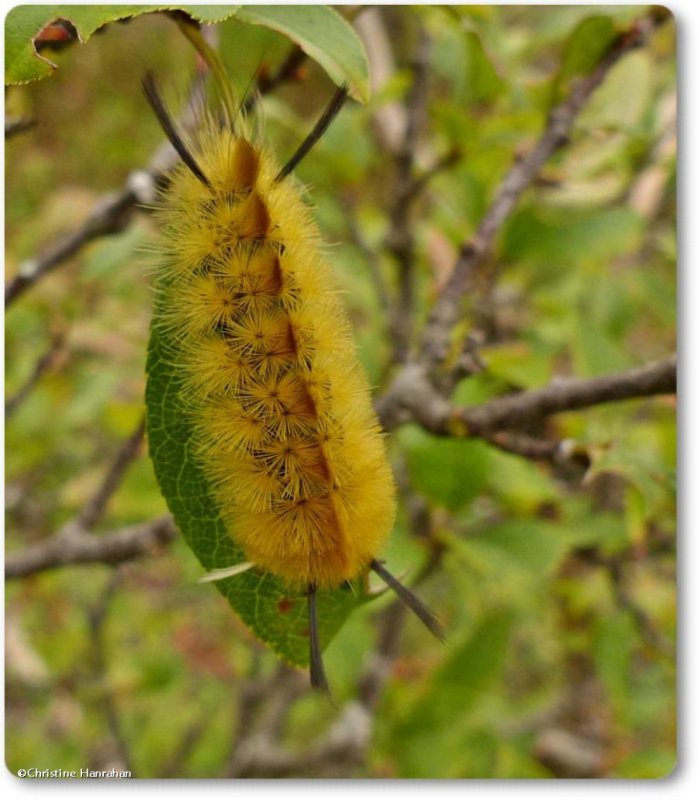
point(558, 589)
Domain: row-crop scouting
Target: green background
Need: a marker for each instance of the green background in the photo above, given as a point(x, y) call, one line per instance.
point(543, 640)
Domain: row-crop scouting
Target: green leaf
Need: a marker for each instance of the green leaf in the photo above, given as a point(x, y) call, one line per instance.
point(557, 237)
point(612, 651)
point(584, 48)
point(449, 471)
point(22, 63)
point(430, 740)
point(654, 763)
point(516, 560)
point(476, 664)
point(324, 35)
point(520, 486)
point(275, 614)
point(463, 60)
point(624, 97)
point(23, 23)
point(535, 546)
point(208, 15)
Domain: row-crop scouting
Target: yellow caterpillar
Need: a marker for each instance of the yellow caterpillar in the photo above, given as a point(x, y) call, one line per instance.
point(283, 426)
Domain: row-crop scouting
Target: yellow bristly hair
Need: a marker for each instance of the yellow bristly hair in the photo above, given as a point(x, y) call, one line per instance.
point(280, 407)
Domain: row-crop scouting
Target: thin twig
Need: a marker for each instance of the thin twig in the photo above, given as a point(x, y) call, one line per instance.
point(94, 509)
point(111, 215)
point(44, 363)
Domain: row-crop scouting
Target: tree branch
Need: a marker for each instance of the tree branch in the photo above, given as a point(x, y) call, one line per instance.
point(413, 397)
point(447, 308)
point(111, 215)
point(568, 395)
point(74, 545)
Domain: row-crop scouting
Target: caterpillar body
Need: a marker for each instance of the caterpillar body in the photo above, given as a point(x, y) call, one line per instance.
point(279, 406)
